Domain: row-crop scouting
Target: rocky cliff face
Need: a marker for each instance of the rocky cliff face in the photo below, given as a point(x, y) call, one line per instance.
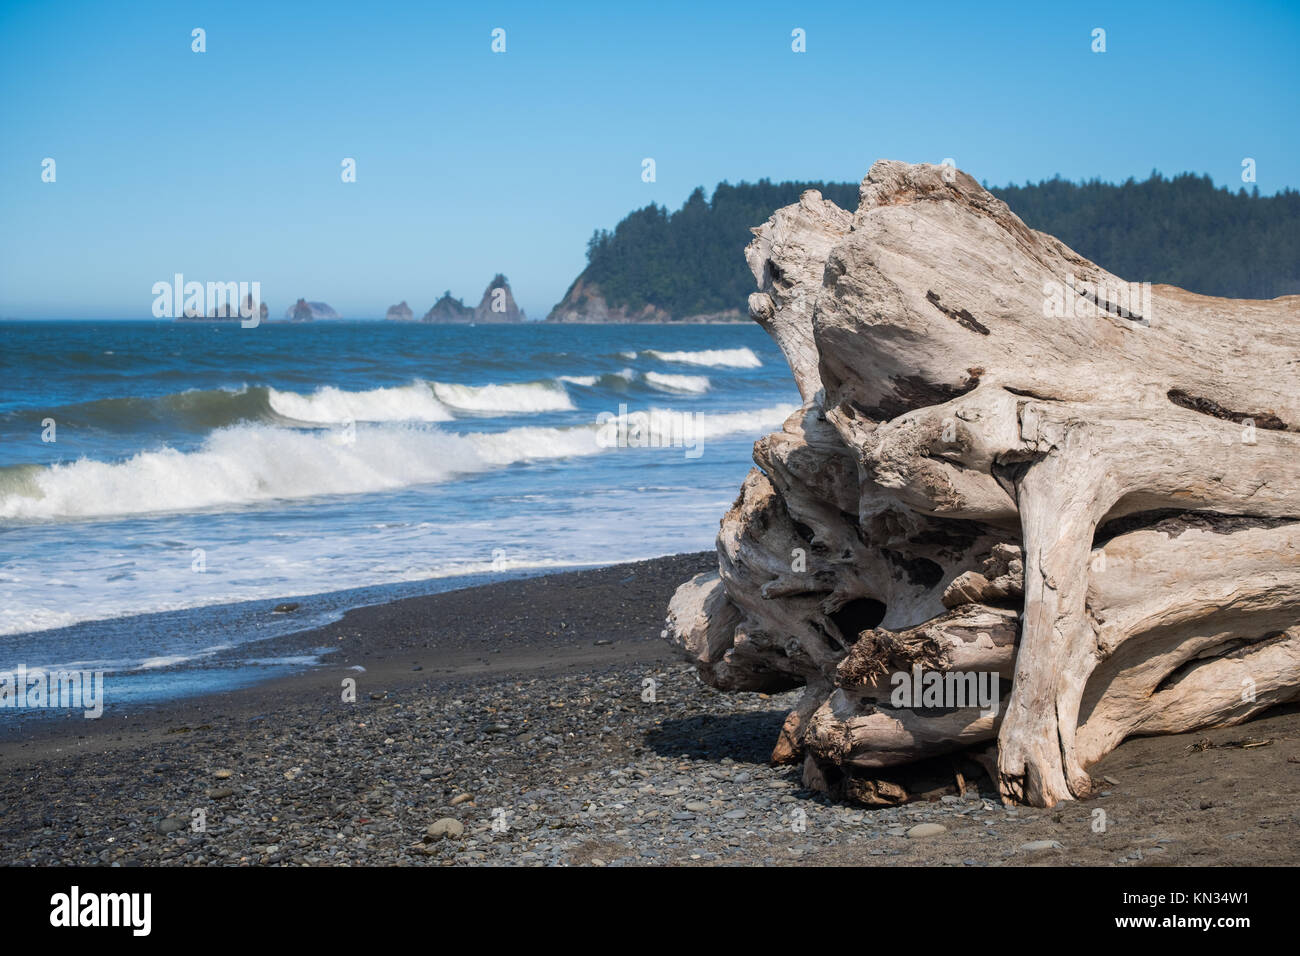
point(448, 309)
point(303, 311)
point(498, 303)
point(400, 312)
point(1009, 464)
point(584, 303)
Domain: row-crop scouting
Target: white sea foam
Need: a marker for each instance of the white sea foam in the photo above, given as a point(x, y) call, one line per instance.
point(330, 405)
point(518, 398)
point(418, 402)
point(247, 464)
point(716, 358)
point(587, 381)
point(690, 384)
point(166, 660)
point(242, 464)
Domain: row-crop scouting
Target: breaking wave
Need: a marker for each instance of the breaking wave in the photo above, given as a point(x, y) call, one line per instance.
point(715, 358)
point(251, 463)
point(689, 384)
point(207, 409)
point(330, 405)
point(524, 397)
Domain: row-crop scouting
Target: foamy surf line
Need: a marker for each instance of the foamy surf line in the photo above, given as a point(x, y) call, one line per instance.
point(717, 358)
point(526, 397)
point(689, 384)
point(329, 405)
point(418, 401)
point(248, 464)
point(327, 606)
point(246, 614)
point(252, 656)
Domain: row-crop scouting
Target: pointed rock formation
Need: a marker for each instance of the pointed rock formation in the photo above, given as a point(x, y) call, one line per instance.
point(1009, 463)
point(262, 310)
point(304, 311)
point(448, 309)
point(498, 303)
point(400, 312)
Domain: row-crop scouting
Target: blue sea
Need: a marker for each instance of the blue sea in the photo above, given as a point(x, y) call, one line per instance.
point(163, 485)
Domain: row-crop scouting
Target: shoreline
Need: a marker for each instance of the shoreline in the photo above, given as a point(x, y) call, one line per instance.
point(236, 665)
point(379, 636)
point(518, 711)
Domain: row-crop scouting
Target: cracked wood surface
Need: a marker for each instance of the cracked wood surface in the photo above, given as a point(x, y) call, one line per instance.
point(980, 401)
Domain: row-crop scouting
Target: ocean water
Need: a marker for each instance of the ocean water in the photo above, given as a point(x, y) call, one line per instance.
point(163, 485)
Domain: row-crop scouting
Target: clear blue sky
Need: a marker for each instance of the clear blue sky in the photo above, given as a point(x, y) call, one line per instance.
point(225, 165)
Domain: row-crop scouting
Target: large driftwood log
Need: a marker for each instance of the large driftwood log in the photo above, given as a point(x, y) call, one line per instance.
point(1011, 462)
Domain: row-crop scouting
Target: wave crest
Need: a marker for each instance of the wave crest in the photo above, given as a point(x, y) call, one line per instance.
point(522, 397)
point(332, 406)
point(716, 358)
point(689, 384)
point(248, 464)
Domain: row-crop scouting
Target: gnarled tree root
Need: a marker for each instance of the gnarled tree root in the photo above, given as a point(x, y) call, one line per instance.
point(1009, 463)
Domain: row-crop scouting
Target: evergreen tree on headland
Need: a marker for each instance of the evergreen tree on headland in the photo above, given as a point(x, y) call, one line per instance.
point(1182, 231)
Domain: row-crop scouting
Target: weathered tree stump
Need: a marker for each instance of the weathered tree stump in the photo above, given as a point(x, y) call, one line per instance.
point(1008, 461)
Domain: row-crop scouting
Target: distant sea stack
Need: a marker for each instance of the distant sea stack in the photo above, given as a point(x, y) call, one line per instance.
point(262, 309)
point(498, 303)
point(448, 309)
point(227, 313)
point(400, 312)
point(304, 311)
